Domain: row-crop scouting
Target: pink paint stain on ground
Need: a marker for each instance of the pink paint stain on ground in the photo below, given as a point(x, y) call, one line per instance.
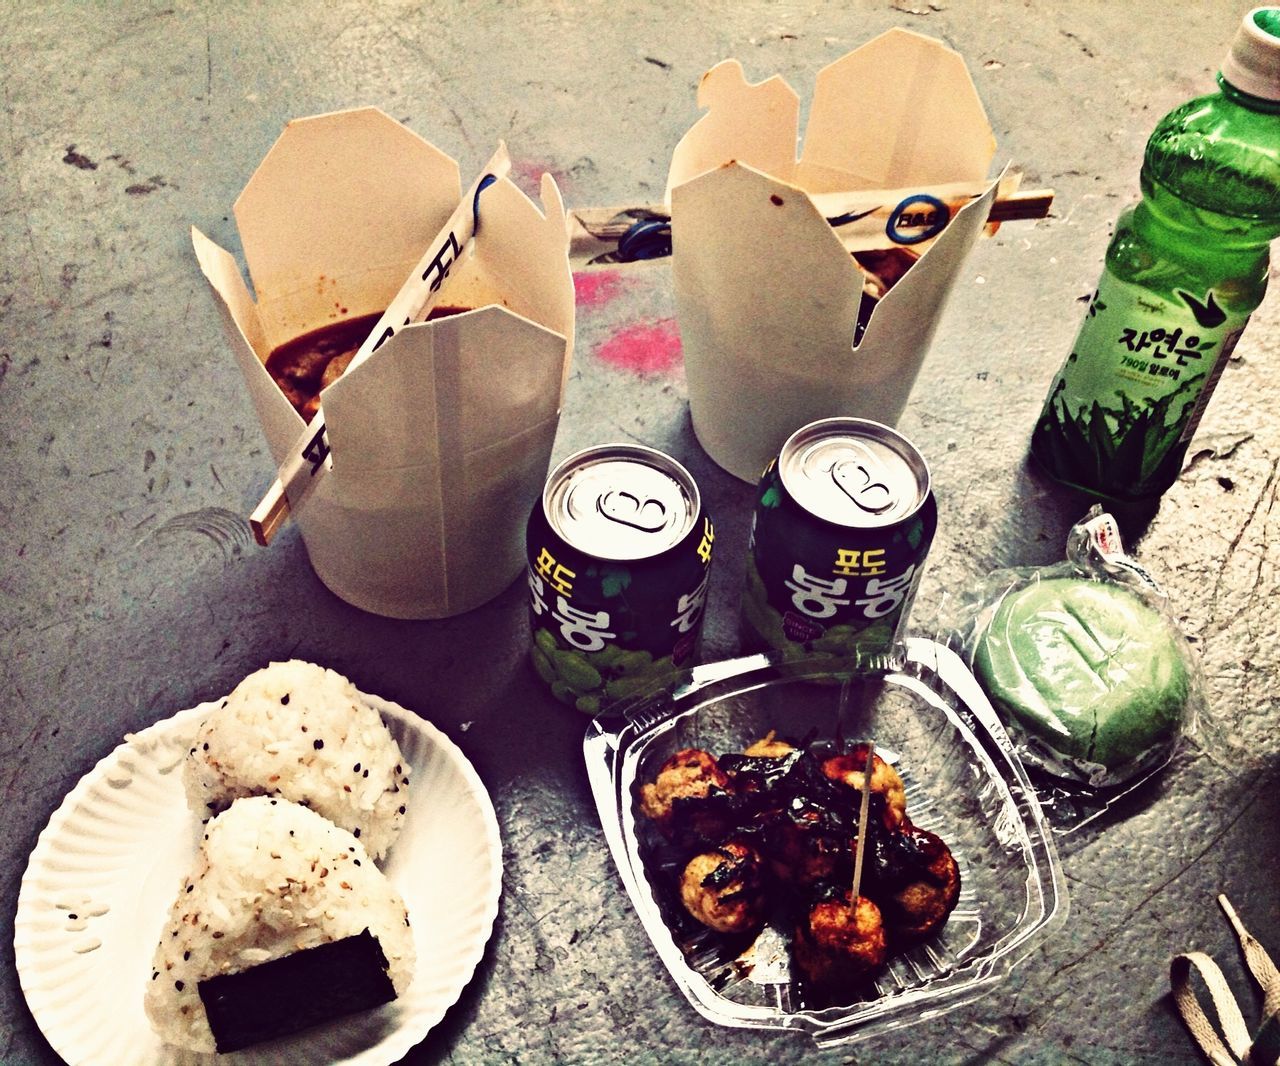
point(527, 175)
point(645, 349)
point(594, 289)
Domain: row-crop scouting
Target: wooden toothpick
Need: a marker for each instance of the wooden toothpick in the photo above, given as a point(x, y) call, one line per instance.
point(863, 810)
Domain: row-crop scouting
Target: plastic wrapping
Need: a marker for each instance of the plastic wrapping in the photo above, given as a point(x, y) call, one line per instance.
point(1085, 666)
point(931, 722)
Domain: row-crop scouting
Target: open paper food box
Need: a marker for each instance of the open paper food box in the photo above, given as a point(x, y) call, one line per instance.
point(442, 438)
point(767, 293)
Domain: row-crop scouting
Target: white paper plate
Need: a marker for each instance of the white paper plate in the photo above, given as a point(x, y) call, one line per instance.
point(106, 869)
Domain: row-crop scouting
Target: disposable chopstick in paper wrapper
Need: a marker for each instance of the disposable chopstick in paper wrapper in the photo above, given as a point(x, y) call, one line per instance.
point(435, 443)
point(864, 220)
point(311, 456)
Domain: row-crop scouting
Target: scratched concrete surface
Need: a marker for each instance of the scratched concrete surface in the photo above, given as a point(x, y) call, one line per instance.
point(122, 417)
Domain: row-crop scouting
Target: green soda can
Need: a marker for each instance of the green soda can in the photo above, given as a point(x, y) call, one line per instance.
point(843, 523)
point(1185, 269)
point(619, 551)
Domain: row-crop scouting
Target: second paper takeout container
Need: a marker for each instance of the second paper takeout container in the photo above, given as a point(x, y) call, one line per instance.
point(767, 296)
point(441, 439)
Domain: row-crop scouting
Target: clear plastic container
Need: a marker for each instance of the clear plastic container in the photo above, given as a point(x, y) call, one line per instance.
point(928, 718)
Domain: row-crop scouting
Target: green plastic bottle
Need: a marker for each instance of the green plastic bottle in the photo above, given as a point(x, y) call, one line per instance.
point(1185, 269)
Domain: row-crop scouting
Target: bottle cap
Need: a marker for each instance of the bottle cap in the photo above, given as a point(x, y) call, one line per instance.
point(1253, 64)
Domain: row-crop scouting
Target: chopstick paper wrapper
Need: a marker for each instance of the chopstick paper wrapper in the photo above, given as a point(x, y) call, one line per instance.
point(769, 300)
point(437, 441)
point(868, 220)
point(311, 457)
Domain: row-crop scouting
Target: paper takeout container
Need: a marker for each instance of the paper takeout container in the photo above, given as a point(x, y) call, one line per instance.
point(440, 440)
point(767, 296)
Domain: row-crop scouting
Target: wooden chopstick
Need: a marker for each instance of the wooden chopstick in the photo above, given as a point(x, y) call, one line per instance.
point(594, 226)
point(864, 808)
point(593, 232)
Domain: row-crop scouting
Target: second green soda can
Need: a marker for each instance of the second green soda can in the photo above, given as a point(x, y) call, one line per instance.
point(619, 552)
point(844, 520)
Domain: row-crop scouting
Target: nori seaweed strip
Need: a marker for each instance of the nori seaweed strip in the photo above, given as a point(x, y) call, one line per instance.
point(296, 991)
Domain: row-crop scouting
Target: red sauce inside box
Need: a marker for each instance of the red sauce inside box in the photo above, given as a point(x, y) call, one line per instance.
point(309, 363)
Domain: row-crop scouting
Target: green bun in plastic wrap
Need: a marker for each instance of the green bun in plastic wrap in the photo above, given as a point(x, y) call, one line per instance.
point(1096, 680)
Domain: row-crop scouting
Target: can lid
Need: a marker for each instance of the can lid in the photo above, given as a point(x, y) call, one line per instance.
point(854, 472)
point(623, 502)
point(1253, 63)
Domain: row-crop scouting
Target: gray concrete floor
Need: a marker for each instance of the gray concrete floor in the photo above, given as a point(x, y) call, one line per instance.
point(120, 411)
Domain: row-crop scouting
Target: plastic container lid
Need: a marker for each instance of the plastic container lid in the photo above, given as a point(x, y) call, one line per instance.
point(1253, 64)
point(932, 722)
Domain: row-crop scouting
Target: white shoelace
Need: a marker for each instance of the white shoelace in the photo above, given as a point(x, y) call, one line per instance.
point(1264, 1048)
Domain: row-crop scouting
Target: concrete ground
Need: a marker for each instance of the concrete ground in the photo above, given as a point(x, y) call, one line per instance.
point(122, 415)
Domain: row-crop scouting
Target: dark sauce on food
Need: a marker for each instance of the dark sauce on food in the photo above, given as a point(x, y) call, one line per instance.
point(307, 364)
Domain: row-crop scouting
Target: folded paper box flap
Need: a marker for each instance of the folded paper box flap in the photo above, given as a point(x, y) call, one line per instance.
point(761, 224)
point(516, 246)
point(514, 378)
point(769, 345)
point(470, 382)
point(899, 111)
point(491, 423)
point(337, 214)
point(443, 435)
point(752, 124)
point(247, 337)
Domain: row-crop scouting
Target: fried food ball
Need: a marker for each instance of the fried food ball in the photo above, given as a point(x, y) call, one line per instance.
point(802, 846)
point(851, 767)
point(769, 747)
point(690, 774)
point(724, 888)
point(840, 943)
point(917, 906)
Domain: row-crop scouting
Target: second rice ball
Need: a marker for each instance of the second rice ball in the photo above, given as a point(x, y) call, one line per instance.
point(302, 732)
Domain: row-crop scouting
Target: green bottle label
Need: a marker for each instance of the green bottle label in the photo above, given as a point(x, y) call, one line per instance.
point(1134, 387)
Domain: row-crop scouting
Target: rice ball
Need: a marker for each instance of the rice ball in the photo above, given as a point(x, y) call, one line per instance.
point(271, 879)
point(302, 732)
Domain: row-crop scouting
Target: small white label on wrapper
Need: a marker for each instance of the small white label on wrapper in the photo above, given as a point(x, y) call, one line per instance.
point(1105, 540)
